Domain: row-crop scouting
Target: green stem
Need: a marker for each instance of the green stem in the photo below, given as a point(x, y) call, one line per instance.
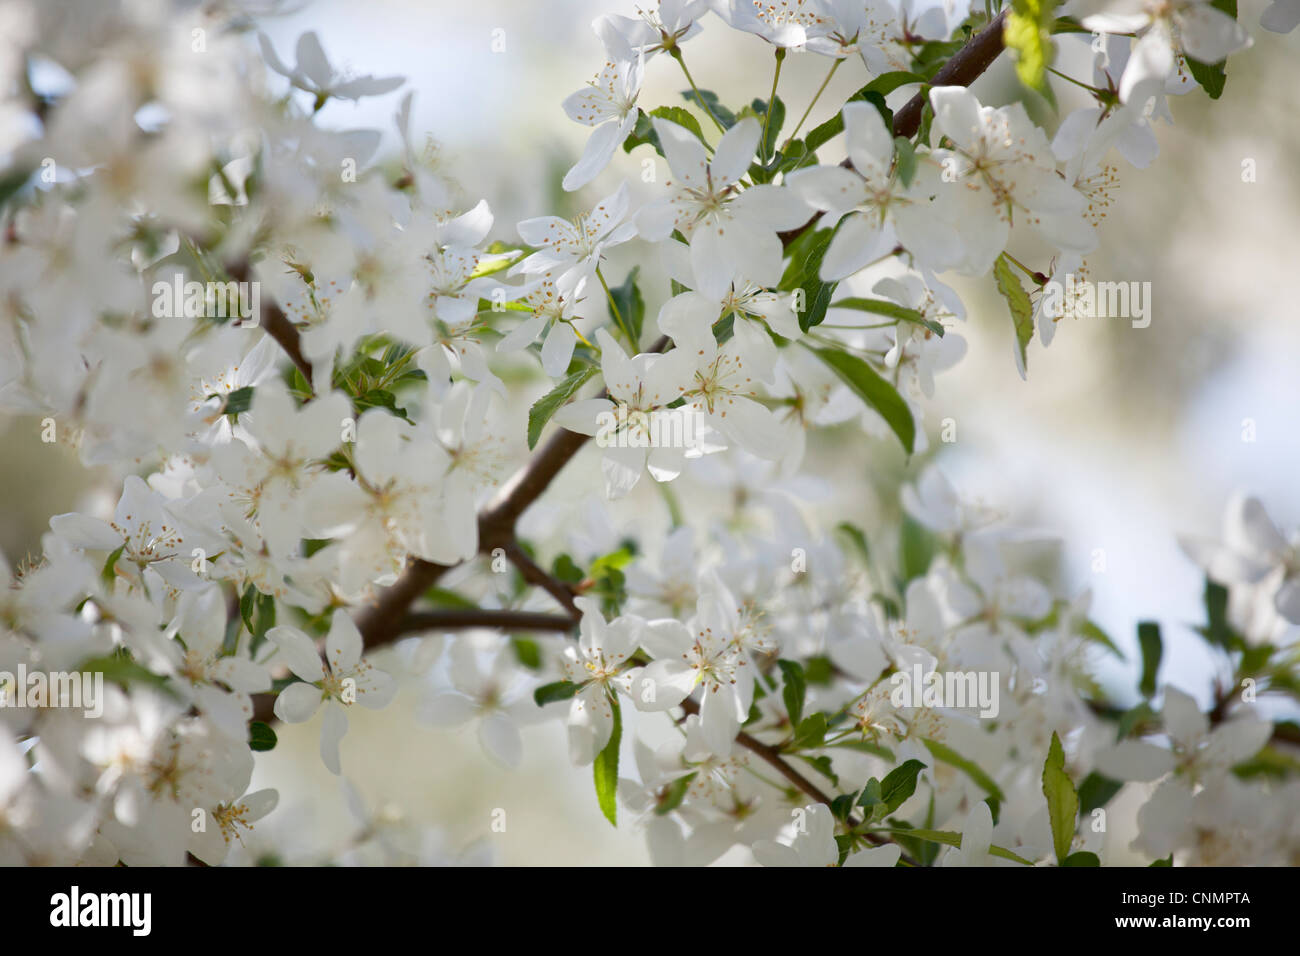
point(816, 96)
point(674, 506)
point(1069, 79)
point(613, 308)
point(1023, 268)
point(676, 54)
point(767, 114)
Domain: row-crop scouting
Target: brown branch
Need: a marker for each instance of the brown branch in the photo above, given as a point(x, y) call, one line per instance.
point(388, 617)
point(507, 620)
point(276, 323)
point(537, 577)
point(279, 327)
point(773, 756)
point(965, 67)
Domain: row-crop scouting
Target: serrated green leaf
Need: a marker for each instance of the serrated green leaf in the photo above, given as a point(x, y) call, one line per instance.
point(546, 406)
point(1062, 799)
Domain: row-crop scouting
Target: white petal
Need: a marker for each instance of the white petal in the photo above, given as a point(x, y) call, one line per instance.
point(343, 643)
point(1135, 760)
point(332, 729)
point(297, 702)
point(500, 738)
point(298, 651)
point(735, 152)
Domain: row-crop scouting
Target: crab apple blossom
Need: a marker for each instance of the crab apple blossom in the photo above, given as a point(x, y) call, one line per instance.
point(410, 471)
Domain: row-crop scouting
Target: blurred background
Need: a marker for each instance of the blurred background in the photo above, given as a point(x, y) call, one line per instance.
point(1120, 439)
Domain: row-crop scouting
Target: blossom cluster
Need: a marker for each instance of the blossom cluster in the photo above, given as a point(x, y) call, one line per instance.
point(283, 472)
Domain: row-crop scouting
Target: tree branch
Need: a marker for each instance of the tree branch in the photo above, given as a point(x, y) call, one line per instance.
point(507, 620)
point(965, 67)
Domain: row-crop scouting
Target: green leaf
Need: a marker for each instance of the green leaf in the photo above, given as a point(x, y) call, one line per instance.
point(875, 391)
point(793, 691)
point(1022, 310)
point(872, 796)
point(109, 571)
point(905, 163)
point(672, 796)
point(546, 406)
point(949, 756)
point(857, 537)
point(644, 131)
point(708, 101)
point(120, 668)
point(1152, 649)
point(1217, 630)
point(605, 769)
point(442, 597)
point(822, 764)
point(1062, 799)
point(916, 548)
point(527, 651)
point(809, 732)
point(866, 747)
point(1134, 719)
point(891, 310)
point(631, 306)
point(899, 784)
point(1081, 858)
point(1028, 34)
point(1167, 861)
point(12, 181)
point(818, 669)
point(767, 145)
point(261, 736)
point(1096, 791)
point(564, 568)
point(1094, 633)
point(802, 276)
point(949, 838)
point(559, 690)
point(238, 401)
point(1212, 77)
